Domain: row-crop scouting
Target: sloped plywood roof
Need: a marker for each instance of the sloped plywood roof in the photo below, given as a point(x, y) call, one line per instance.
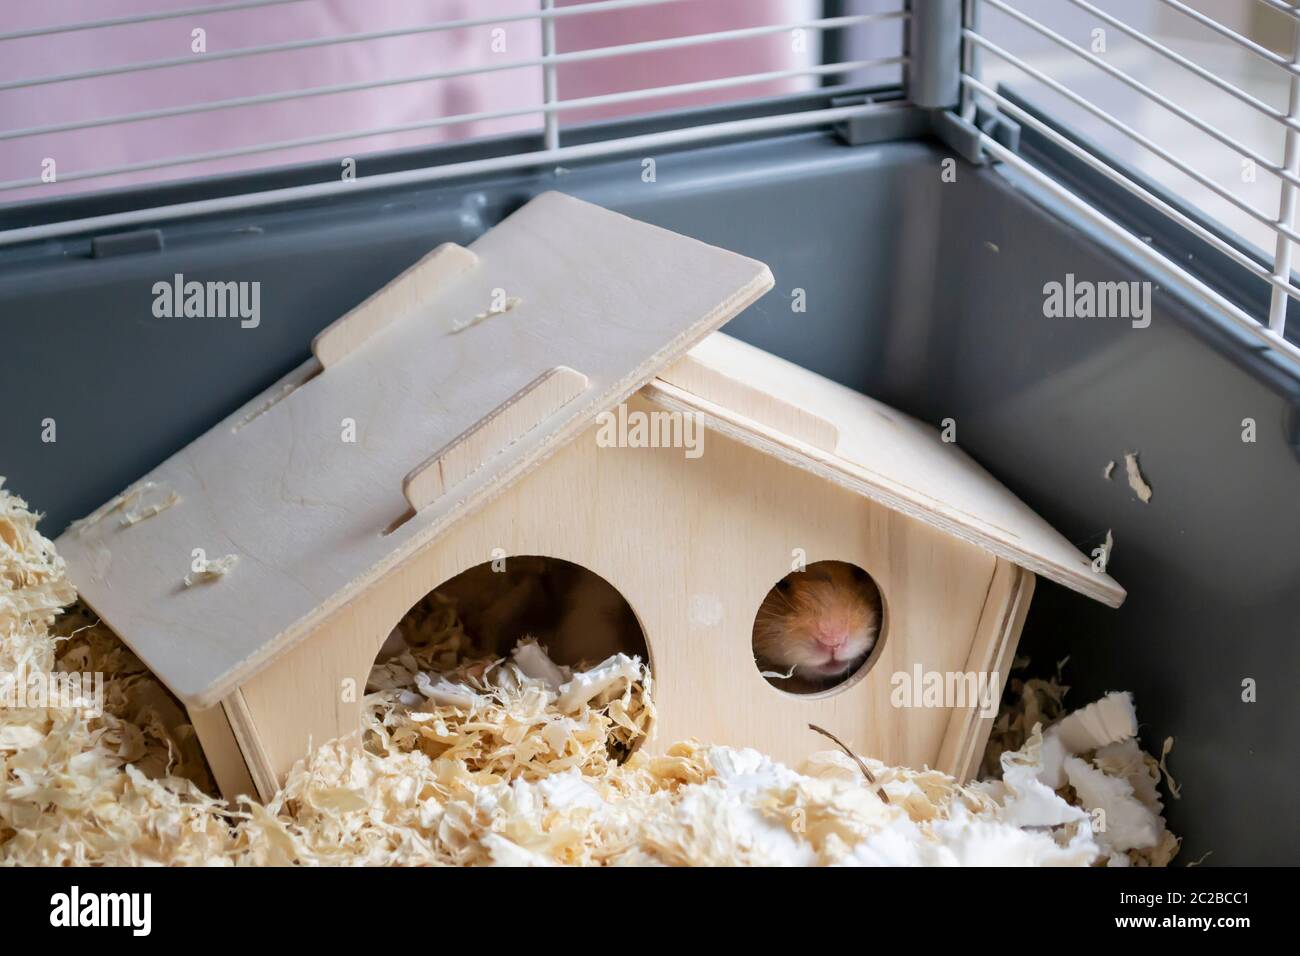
point(594, 304)
point(873, 449)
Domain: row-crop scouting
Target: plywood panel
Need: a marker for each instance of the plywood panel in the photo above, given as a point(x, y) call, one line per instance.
point(306, 512)
point(694, 545)
point(991, 654)
point(222, 752)
point(879, 452)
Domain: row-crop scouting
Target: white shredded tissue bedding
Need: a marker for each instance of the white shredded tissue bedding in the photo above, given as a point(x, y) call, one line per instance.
point(521, 762)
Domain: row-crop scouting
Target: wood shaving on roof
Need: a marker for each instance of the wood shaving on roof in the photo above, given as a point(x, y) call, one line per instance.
point(142, 500)
point(153, 499)
point(461, 325)
point(211, 569)
point(514, 761)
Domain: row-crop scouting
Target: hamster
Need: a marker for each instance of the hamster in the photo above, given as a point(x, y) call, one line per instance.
point(818, 625)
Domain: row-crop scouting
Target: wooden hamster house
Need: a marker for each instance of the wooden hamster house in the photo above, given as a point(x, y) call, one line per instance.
point(451, 417)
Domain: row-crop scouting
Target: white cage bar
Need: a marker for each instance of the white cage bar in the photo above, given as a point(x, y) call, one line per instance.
point(549, 106)
point(1016, 22)
point(983, 51)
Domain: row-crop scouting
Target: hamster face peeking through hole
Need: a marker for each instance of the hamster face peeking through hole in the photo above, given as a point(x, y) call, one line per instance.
point(817, 626)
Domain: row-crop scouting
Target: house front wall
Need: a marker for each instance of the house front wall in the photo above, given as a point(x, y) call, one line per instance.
point(693, 537)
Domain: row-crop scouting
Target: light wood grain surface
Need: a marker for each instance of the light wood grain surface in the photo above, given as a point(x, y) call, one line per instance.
point(693, 545)
point(879, 452)
point(305, 512)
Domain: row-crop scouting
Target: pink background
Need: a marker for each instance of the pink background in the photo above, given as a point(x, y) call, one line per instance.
point(76, 151)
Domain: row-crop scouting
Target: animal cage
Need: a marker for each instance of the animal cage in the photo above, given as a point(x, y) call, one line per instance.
point(1063, 227)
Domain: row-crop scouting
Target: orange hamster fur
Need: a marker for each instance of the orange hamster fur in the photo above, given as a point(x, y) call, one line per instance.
point(818, 625)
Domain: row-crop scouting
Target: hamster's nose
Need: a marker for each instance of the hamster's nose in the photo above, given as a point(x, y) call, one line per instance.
point(831, 635)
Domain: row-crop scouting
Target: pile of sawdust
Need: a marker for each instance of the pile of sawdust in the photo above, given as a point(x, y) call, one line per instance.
point(518, 761)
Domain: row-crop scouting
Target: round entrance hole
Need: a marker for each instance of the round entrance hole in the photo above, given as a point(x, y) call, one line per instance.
point(575, 614)
point(450, 645)
point(818, 629)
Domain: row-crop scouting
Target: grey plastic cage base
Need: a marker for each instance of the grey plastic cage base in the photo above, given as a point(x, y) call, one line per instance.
point(927, 295)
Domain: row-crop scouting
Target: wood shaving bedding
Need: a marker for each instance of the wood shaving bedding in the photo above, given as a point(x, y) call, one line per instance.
point(518, 761)
point(1136, 480)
